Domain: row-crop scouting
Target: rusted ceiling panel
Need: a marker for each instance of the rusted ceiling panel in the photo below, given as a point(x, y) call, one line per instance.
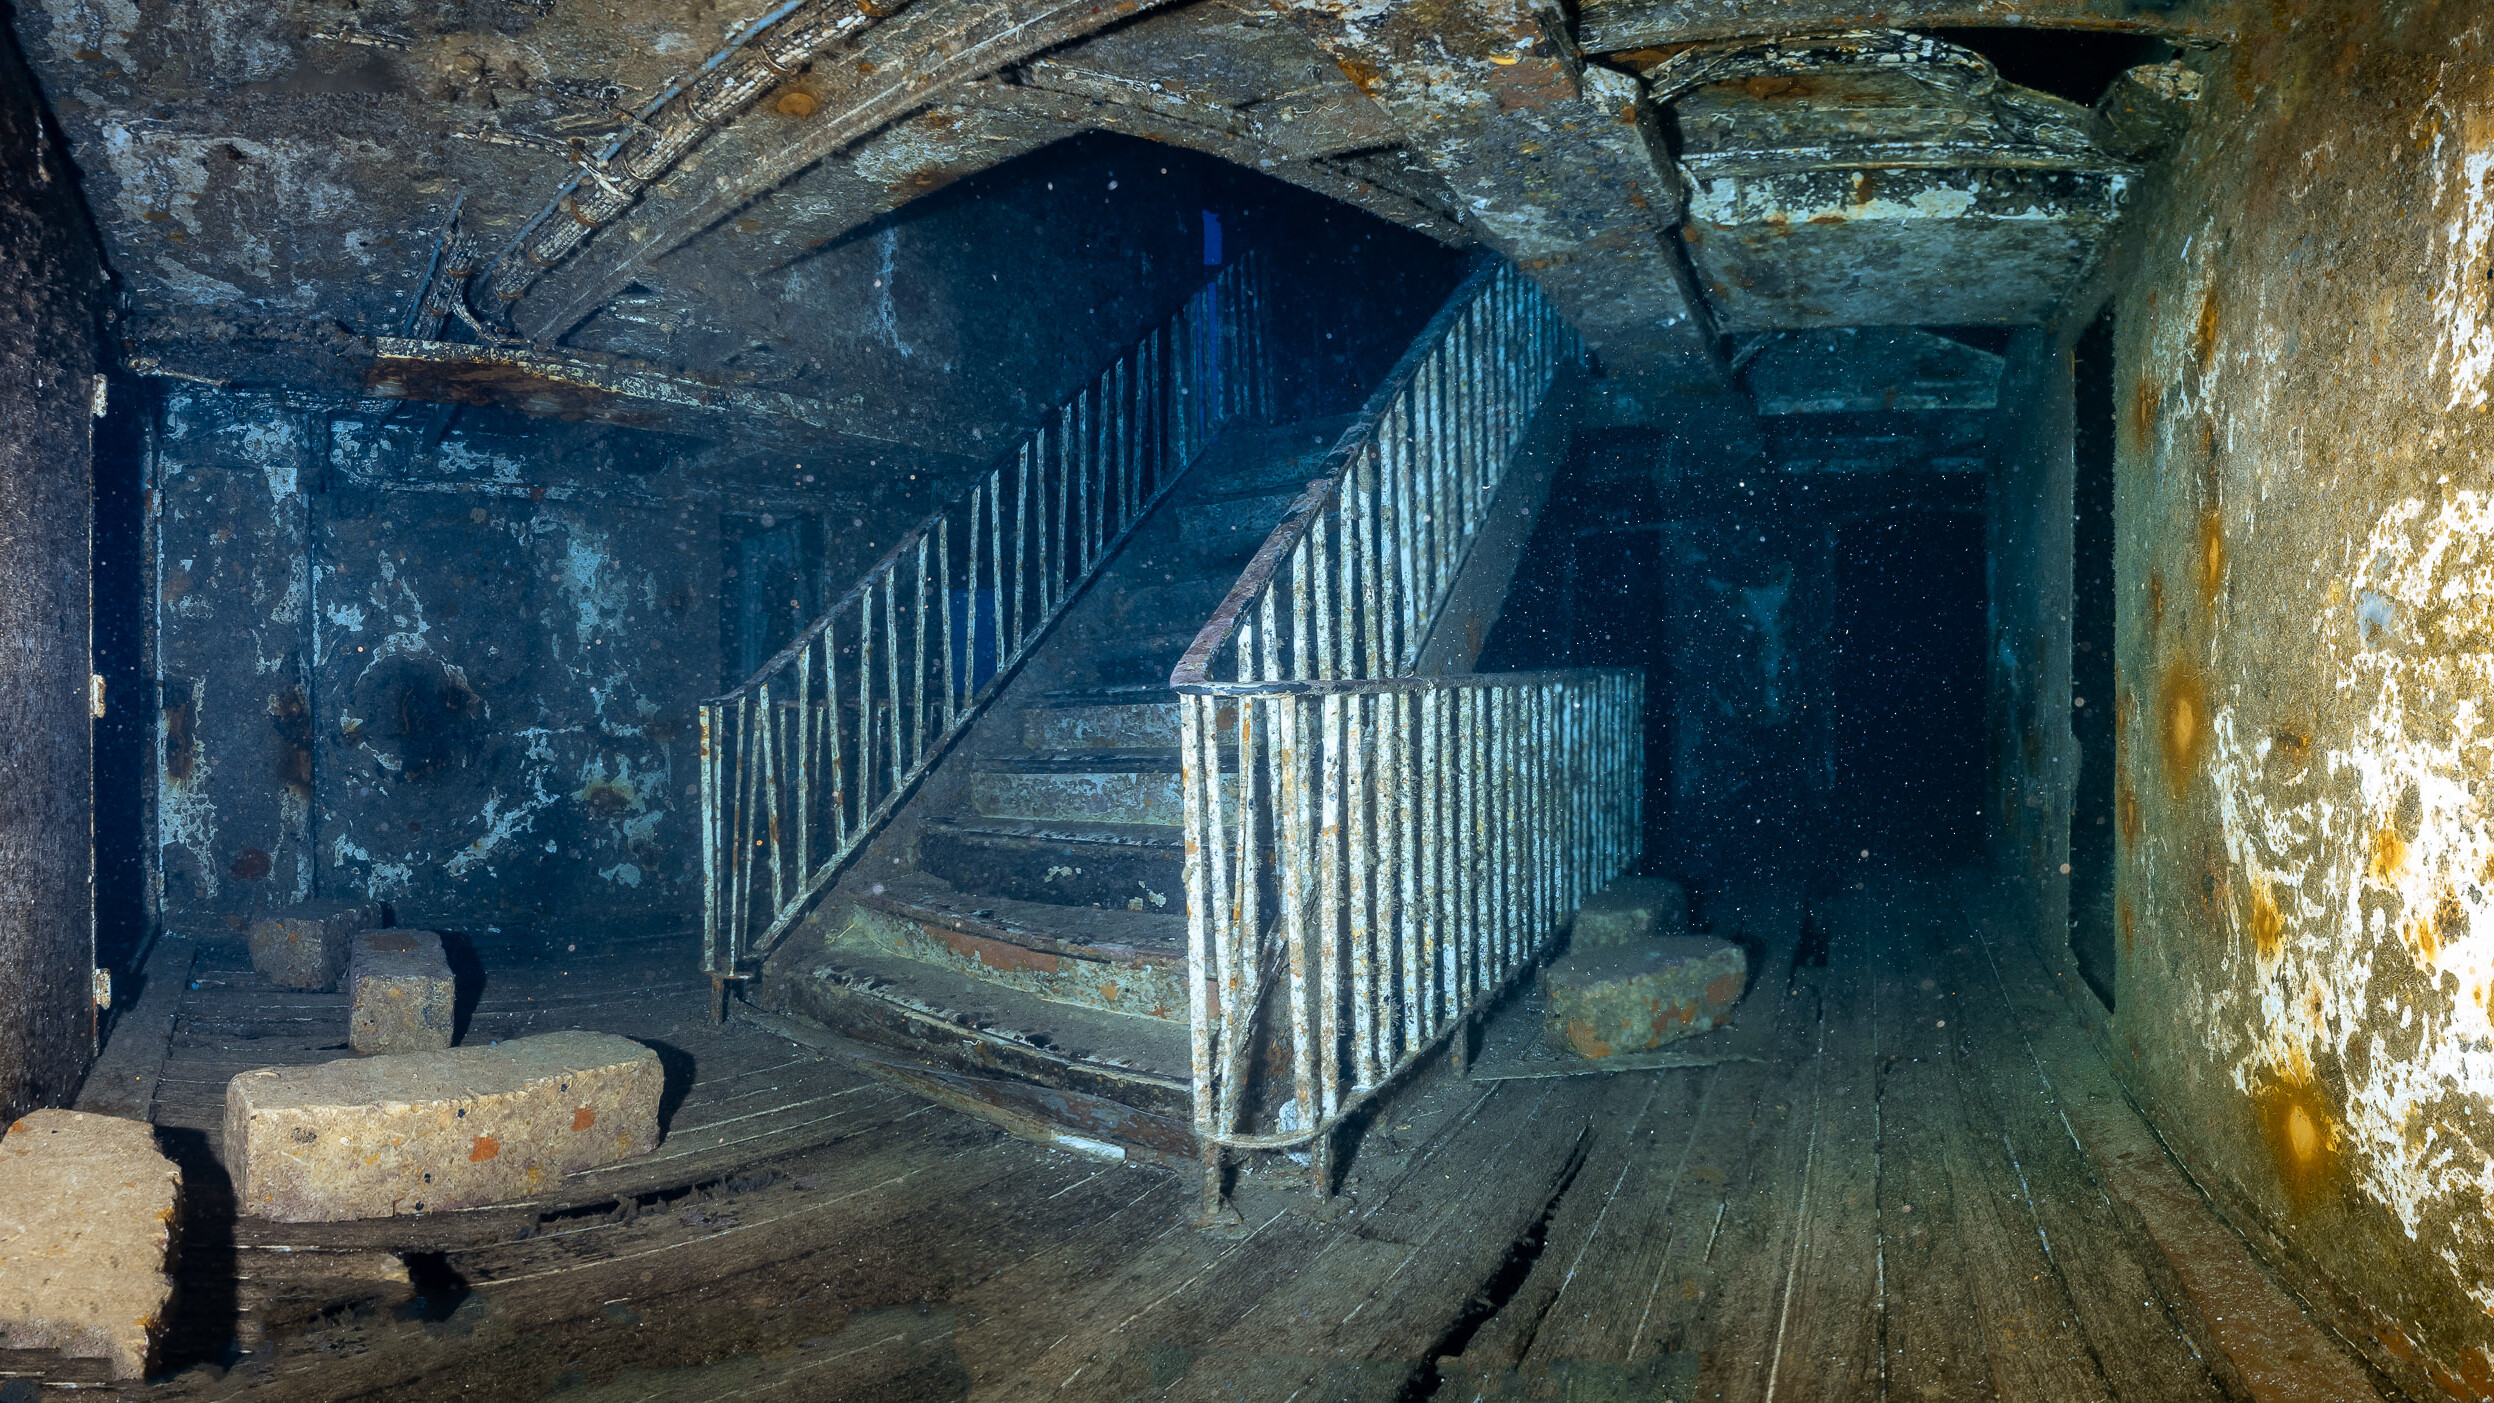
point(1555, 164)
point(1619, 26)
point(898, 66)
point(1867, 370)
point(288, 156)
point(1880, 178)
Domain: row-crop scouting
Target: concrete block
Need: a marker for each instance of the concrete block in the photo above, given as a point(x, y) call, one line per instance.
point(1632, 909)
point(304, 947)
point(1631, 998)
point(403, 992)
point(419, 1132)
point(86, 1233)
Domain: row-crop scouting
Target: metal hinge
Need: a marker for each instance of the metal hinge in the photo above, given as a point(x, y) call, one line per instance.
point(95, 695)
point(103, 988)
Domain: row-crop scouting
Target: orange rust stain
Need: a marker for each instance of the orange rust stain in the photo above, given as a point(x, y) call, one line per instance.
point(486, 1148)
point(2143, 414)
point(2268, 925)
point(996, 954)
point(2212, 556)
point(2302, 1138)
point(1723, 991)
point(1582, 1037)
point(2129, 925)
point(2389, 854)
point(2126, 810)
point(2182, 725)
point(2156, 597)
point(583, 1118)
point(1364, 76)
point(2290, 745)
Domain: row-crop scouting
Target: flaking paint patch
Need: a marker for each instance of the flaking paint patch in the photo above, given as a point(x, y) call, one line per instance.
point(2463, 303)
point(2379, 878)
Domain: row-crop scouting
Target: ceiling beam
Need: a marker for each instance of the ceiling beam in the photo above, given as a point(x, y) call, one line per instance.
point(1555, 165)
point(898, 66)
point(326, 359)
point(1621, 26)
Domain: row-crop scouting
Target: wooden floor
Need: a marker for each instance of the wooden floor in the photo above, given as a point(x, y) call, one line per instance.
point(1908, 1176)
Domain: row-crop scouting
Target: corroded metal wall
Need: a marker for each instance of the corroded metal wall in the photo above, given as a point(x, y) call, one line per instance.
point(50, 291)
point(454, 671)
point(2305, 577)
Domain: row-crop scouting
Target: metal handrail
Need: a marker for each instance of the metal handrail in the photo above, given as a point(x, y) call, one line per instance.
point(813, 754)
point(1419, 840)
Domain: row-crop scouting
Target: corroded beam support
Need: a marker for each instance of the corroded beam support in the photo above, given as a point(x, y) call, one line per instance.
point(1555, 165)
point(549, 384)
point(1624, 25)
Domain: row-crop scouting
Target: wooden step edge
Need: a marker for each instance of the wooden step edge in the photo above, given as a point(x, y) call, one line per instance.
point(1012, 932)
point(1053, 1116)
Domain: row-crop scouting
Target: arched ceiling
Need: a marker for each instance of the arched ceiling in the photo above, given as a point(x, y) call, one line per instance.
point(278, 182)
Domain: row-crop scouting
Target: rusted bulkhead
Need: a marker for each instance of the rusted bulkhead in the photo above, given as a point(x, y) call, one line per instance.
point(2305, 576)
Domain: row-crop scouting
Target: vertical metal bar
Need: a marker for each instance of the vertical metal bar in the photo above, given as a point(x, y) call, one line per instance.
point(1357, 777)
point(944, 594)
point(707, 760)
point(1201, 1010)
point(1291, 799)
point(1067, 536)
point(805, 759)
point(892, 683)
point(918, 672)
point(1329, 911)
point(831, 717)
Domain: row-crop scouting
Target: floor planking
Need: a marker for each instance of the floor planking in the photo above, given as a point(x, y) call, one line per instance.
point(1892, 1190)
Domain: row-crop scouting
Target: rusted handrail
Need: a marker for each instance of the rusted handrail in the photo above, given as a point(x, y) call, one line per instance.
point(807, 759)
point(1382, 851)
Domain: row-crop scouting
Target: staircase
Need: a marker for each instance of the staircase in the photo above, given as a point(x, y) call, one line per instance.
point(1027, 915)
point(1197, 833)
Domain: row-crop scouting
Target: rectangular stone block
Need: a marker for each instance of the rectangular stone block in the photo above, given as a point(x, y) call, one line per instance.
point(304, 947)
point(419, 1132)
point(1632, 909)
point(87, 1216)
point(404, 996)
point(1630, 998)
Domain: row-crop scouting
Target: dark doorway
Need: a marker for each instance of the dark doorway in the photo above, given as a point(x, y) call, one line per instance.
point(1906, 686)
point(2091, 663)
point(773, 567)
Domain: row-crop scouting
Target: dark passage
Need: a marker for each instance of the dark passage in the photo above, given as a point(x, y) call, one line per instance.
point(1905, 688)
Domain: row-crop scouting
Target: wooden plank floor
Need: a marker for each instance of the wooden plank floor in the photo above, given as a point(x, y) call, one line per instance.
point(1891, 1188)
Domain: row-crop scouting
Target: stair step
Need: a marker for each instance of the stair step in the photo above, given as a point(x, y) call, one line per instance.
point(1107, 786)
point(1284, 456)
point(1100, 1076)
point(1122, 718)
point(1115, 960)
point(1113, 865)
point(1232, 524)
point(1032, 1109)
point(1172, 606)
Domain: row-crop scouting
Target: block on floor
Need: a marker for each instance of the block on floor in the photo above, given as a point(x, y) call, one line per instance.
point(404, 996)
point(86, 1229)
point(420, 1132)
point(1630, 998)
point(1632, 909)
point(305, 946)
